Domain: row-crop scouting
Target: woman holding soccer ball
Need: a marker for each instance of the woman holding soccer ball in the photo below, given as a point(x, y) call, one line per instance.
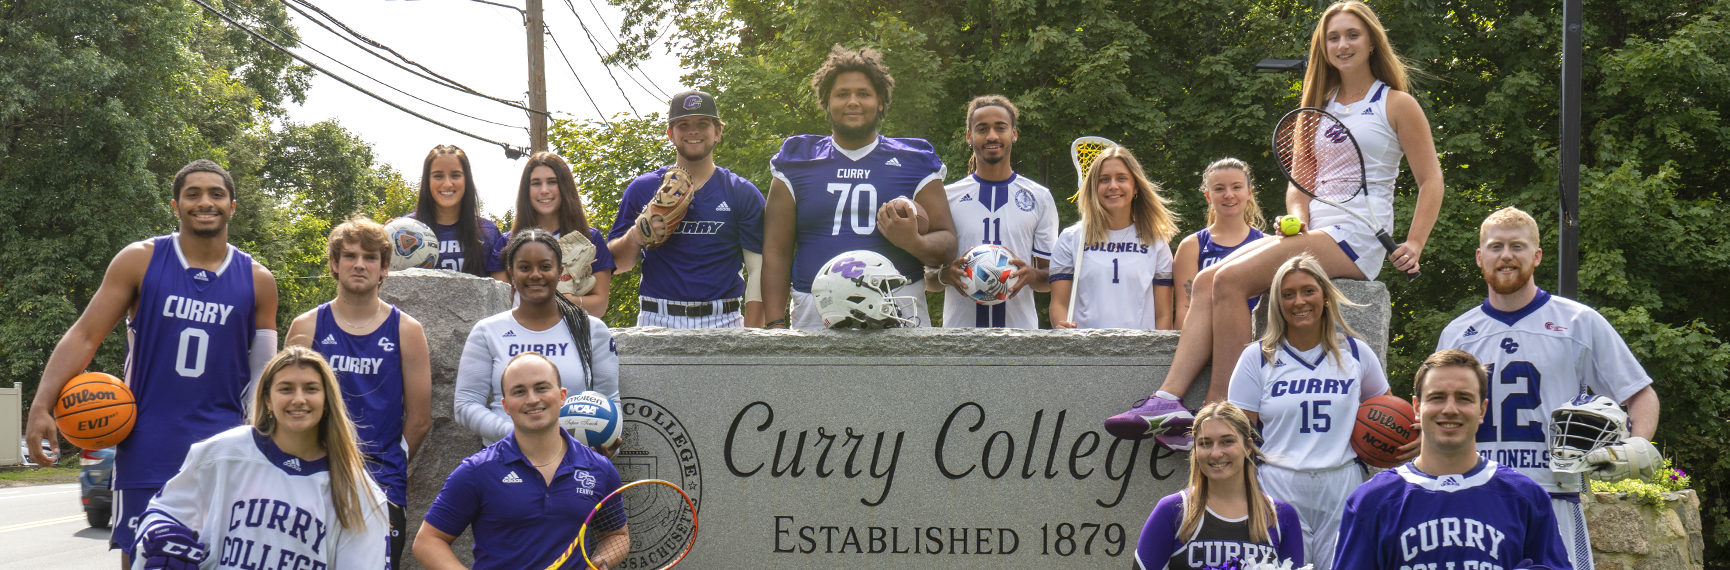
point(544, 322)
point(1223, 509)
point(1234, 221)
point(1123, 280)
point(298, 449)
point(1303, 381)
point(1356, 76)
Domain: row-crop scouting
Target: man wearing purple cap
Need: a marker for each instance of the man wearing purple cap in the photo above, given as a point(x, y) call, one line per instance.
point(691, 279)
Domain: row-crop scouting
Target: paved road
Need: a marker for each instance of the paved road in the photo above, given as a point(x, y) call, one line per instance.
point(43, 528)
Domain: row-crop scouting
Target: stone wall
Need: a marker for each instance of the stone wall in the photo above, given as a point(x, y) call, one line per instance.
point(1627, 535)
point(849, 449)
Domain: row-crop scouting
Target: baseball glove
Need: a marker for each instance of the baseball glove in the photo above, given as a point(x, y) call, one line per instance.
point(669, 203)
point(578, 254)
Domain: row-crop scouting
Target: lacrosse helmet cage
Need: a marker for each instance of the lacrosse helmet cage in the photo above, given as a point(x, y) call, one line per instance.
point(857, 290)
point(1588, 423)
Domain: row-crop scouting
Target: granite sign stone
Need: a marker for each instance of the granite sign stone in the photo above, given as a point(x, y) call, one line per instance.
point(828, 449)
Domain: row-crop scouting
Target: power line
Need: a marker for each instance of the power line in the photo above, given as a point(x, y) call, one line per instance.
point(580, 79)
point(428, 74)
point(596, 45)
point(510, 151)
point(303, 44)
point(609, 29)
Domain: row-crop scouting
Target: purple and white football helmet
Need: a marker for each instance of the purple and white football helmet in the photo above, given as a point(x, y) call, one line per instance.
point(857, 290)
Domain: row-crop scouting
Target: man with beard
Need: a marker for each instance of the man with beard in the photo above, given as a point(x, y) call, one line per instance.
point(201, 324)
point(1542, 351)
point(380, 357)
point(1013, 212)
point(849, 191)
point(692, 279)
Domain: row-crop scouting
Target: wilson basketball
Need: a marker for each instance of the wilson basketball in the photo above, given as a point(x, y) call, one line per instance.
point(1384, 424)
point(95, 411)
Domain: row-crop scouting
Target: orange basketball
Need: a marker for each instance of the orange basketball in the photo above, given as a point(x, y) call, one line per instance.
point(1384, 424)
point(95, 411)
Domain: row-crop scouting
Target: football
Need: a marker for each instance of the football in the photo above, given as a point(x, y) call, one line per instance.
point(985, 278)
point(591, 418)
point(412, 244)
point(902, 205)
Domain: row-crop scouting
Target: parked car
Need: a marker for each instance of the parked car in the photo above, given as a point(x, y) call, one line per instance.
point(98, 470)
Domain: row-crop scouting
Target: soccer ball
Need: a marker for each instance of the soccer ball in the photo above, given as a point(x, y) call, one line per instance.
point(412, 244)
point(591, 418)
point(985, 277)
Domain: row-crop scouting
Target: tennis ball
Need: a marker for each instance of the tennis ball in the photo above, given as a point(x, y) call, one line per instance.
point(1290, 225)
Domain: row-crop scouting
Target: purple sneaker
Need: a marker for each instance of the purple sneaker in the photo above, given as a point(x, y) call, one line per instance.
point(1154, 416)
point(1183, 442)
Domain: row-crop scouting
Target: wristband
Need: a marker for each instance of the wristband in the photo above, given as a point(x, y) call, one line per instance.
point(771, 324)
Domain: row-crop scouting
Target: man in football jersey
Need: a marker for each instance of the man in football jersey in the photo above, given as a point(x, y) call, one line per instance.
point(838, 193)
point(379, 354)
point(1544, 351)
point(1013, 212)
point(1450, 507)
point(201, 323)
point(526, 495)
point(692, 280)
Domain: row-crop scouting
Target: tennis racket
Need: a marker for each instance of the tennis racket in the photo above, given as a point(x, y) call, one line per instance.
point(649, 524)
point(1081, 153)
point(1319, 155)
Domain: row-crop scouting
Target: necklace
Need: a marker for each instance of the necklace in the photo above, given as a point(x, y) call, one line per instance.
point(545, 463)
point(375, 311)
point(1361, 97)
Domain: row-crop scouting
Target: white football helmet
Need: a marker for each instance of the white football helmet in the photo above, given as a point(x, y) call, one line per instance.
point(1588, 423)
point(857, 290)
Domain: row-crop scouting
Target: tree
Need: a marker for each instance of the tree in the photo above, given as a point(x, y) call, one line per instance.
point(103, 101)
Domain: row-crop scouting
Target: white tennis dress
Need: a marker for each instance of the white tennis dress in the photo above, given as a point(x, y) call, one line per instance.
point(1368, 121)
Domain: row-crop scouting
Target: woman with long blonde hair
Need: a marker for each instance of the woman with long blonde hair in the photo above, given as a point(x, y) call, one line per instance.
point(289, 487)
point(1303, 381)
point(1223, 509)
point(1356, 75)
point(1124, 244)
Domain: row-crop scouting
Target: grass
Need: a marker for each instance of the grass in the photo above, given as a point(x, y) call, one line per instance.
point(31, 476)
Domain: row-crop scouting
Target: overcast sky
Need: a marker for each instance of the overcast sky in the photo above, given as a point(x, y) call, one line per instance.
point(485, 48)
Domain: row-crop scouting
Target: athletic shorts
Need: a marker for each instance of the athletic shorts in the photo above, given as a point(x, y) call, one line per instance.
point(129, 506)
point(1359, 244)
point(805, 316)
point(1571, 520)
point(1320, 500)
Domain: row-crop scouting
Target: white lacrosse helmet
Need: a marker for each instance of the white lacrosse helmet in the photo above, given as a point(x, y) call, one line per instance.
point(856, 290)
point(1588, 423)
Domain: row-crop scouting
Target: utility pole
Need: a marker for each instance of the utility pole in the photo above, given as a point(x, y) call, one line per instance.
point(538, 77)
point(1568, 240)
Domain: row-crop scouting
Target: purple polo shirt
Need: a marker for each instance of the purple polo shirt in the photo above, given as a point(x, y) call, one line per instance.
point(519, 520)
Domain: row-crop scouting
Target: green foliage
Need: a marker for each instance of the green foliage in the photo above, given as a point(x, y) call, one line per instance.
point(1667, 479)
point(1175, 83)
point(101, 101)
point(605, 157)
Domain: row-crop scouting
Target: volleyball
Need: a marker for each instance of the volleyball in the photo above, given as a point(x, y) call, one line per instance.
point(591, 418)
